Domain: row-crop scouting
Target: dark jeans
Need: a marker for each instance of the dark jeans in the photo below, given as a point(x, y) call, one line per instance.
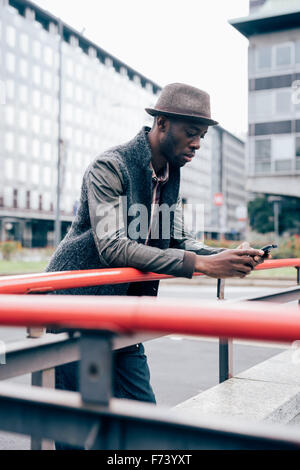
point(131, 378)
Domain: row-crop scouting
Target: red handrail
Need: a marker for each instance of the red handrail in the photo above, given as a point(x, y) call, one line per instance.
point(248, 320)
point(47, 282)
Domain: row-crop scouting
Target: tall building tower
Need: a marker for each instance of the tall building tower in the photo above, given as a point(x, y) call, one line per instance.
point(273, 30)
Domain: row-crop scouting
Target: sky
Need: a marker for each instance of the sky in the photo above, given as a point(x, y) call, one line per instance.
point(172, 41)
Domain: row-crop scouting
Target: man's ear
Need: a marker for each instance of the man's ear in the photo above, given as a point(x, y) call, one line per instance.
point(162, 123)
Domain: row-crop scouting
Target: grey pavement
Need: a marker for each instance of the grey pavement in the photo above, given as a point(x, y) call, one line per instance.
point(181, 367)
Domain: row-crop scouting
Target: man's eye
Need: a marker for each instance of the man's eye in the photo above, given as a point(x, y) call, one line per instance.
point(191, 134)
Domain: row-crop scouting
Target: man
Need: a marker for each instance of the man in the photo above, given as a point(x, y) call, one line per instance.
point(143, 174)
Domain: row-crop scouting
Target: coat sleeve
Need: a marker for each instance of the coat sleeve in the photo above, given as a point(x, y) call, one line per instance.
point(106, 205)
point(182, 238)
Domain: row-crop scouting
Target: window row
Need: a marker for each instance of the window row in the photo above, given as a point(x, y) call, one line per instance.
point(28, 147)
point(25, 70)
point(269, 103)
point(279, 153)
point(27, 45)
point(25, 199)
point(278, 56)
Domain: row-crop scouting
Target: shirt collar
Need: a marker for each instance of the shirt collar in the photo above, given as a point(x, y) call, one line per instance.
point(163, 177)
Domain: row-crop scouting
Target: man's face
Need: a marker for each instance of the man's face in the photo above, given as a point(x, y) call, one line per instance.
point(179, 140)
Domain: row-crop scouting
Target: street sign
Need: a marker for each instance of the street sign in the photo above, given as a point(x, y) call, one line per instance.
point(241, 213)
point(218, 199)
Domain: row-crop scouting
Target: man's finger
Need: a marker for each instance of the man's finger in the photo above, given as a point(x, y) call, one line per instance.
point(243, 246)
point(247, 261)
point(250, 252)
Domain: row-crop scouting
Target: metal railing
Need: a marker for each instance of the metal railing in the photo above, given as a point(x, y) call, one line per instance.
point(39, 356)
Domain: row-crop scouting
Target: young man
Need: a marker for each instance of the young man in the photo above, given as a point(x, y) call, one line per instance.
point(119, 223)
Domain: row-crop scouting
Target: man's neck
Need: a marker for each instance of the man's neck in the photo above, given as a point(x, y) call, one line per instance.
point(158, 161)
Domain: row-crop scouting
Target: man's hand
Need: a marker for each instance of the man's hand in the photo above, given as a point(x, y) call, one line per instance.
point(229, 263)
point(258, 259)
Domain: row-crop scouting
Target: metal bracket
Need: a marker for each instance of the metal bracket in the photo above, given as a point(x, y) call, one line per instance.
point(96, 366)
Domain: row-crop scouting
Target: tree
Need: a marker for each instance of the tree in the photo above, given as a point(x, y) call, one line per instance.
point(261, 215)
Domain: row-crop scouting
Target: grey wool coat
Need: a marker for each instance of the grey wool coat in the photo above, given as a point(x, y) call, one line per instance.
point(118, 172)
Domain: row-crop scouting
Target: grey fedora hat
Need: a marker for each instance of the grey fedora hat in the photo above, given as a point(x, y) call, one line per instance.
point(183, 101)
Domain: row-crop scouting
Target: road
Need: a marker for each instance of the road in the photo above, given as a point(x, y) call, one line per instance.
point(180, 366)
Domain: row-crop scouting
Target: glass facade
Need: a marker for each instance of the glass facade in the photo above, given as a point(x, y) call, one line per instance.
point(102, 105)
point(274, 103)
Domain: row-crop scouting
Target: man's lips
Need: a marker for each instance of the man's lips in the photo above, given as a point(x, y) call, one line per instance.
point(188, 157)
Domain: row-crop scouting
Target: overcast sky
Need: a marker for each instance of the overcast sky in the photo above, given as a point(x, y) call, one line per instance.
point(172, 41)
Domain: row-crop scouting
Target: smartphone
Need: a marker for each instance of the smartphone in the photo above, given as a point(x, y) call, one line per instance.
point(267, 249)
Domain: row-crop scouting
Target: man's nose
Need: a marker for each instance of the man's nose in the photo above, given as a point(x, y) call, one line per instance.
point(196, 143)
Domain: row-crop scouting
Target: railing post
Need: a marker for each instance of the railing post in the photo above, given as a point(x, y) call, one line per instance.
point(43, 378)
point(225, 345)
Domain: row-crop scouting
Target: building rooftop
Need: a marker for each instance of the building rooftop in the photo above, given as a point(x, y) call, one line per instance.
point(273, 15)
point(45, 18)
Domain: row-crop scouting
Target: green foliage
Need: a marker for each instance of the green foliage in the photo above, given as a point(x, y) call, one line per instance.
point(261, 215)
point(289, 248)
point(9, 248)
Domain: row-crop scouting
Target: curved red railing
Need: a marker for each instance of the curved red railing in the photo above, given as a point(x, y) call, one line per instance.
point(257, 321)
point(47, 282)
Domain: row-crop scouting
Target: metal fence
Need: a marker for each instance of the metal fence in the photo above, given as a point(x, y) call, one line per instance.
point(111, 324)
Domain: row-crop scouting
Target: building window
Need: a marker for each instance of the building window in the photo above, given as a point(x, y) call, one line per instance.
point(9, 115)
point(22, 199)
point(9, 168)
point(70, 67)
point(264, 58)
point(79, 72)
point(36, 50)
point(36, 99)
point(23, 93)
point(35, 174)
point(263, 105)
point(47, 176)
point(263, 155)
point(22, 172)
point(24, 43)
point(48, 80)
point(9, 142)
point(36, 148)
point(47, 127)
point(11, 36)
point(48, 56)
point(283, 165)
point(69, 89)
point(47, 151)
point(10, 89)
point(23, 119)
point(283, 102)
point(47, 101)
point(78, 94)
point(283, 55)
point(36, 124)
point(40, 202)
point(8, 197)
point(283, 147)
point(37, 75)
point(35, 200)
point(23, 68)
point(23, 145)
point(10, 62)
point(47, 201)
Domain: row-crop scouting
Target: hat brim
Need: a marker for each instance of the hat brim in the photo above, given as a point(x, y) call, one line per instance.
point(190, 117)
